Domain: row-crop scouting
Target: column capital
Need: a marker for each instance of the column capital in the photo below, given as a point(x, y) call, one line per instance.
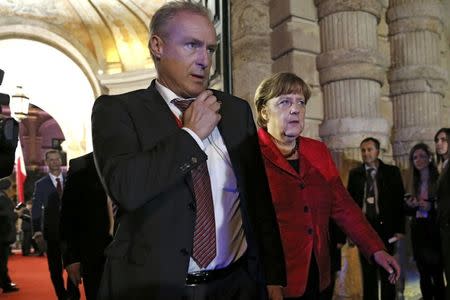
point(328, 7)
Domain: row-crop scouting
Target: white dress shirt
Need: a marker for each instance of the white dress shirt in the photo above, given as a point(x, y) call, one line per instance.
point(230, 238)
point(61, 179)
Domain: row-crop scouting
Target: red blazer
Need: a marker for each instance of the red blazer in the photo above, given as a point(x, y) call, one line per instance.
point(304, 202)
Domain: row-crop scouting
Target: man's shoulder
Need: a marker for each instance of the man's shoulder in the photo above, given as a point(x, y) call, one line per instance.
point(81, 162)
point(229, 98)
point(357, 170)
point(42, 179)
point(384, 167)
point(128, 96)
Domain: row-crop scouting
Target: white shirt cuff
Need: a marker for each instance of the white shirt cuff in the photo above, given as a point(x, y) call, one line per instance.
point(196, 138)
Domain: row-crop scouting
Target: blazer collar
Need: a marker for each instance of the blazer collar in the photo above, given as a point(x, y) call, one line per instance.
point(270, 152)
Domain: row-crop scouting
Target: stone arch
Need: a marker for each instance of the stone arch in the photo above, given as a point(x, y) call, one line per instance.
point(52, 36)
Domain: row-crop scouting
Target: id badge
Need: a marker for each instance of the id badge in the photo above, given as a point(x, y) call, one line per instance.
point(370, 200)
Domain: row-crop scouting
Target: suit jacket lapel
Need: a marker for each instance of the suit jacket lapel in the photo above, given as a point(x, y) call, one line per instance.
point(154, 102)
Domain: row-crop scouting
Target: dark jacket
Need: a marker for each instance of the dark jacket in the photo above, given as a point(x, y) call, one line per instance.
point(145, 161)
point(443, 216)
point(7, 215)
point(390, 197)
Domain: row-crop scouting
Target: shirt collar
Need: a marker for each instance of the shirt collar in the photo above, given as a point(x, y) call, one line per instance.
point(53, 177)
point(166, 93)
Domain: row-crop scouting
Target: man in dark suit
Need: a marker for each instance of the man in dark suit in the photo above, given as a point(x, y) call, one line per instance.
point(45, 217)
point(85, 228)
point(7, 236)
point(151, 157)
point(378, 190)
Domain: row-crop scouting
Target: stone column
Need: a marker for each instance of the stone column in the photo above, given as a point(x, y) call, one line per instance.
point(250, 41)
point(351, 72)
point(417, 78)
point(295, 44)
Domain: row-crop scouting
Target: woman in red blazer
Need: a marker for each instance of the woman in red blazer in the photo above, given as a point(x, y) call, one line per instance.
point(307, 191)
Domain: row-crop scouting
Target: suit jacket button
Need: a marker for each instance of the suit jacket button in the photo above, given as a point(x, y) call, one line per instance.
point(306, 209)
point(184, 251)
point(310, 231)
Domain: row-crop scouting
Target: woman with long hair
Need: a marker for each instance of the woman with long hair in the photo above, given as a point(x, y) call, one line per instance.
point(424, 230)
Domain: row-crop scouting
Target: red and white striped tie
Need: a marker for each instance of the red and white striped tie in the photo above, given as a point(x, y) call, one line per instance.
point(204, 249)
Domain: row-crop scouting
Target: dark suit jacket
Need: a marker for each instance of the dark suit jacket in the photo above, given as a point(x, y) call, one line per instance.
point(7, 216)
point(46, 208)
point(390, 197)
point(145, 160)
point(84, 224)
point(443, 212)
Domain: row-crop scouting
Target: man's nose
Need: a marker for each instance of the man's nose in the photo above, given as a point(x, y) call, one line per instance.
point(203, 58)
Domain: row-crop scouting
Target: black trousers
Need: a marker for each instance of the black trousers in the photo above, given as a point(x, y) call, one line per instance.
point(4, 254)
point(91, 272)
point(238, 285)
point(26, 242)
point(55, 266)
point(427, 253)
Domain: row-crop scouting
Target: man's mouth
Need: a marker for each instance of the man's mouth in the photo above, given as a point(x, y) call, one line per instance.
point(198, 76)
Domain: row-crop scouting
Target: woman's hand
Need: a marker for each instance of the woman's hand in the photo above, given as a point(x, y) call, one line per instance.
point(389, 263)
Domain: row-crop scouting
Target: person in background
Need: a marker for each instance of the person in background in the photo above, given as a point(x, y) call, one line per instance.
point(7, 236)
point(378, 189)
point(45, 217)
point(85, 225)
point(307, 190)
point(420, 205)
point(183, 164)
point(27, 236)
point(441, 140)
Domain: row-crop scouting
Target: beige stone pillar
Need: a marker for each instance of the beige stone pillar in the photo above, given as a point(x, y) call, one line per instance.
point(417, 78)
point(351, 72)
point(295, 44)
point(250, 35)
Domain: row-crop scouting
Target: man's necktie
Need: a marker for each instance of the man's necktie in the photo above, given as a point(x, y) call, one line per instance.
point(59, 187)
point(371, 211)
point(205, 228)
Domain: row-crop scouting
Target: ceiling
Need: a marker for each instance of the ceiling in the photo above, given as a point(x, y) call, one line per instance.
point(111, 34)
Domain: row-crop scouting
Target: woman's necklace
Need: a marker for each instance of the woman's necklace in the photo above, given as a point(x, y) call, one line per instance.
point(293, 151)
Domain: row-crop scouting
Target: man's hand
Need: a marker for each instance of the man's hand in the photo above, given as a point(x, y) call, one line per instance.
point(275, 292)
point(203, 114)
point(389, 263)
point(74, 272)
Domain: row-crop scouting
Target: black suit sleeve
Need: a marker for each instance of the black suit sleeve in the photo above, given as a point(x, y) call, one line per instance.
point(36, 210)
point(71, 213)
point(134, 173)
point(262, 211)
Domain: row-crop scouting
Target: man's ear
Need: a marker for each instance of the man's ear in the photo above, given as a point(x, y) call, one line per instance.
point(156, 46)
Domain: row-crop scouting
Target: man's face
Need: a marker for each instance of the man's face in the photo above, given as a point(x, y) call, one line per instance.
point(442, 144)
point(369, 153)
point(184, 53)
point(53, 162)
